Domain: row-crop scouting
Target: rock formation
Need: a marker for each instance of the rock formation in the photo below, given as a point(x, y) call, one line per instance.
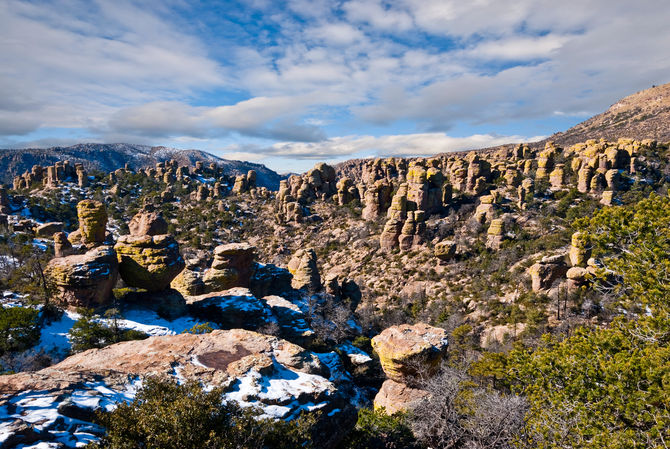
point(407, 353)
point(92, 224)
point(305, 271)
point(545, 272)
point(148, 260)
point(84, 280)
point(233, 266)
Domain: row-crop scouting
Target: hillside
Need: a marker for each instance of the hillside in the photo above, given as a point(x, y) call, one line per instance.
point(643, 115)
point(109, 157)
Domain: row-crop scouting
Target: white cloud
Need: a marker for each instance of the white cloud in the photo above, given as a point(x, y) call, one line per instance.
point(518, 48)
point(424, 144)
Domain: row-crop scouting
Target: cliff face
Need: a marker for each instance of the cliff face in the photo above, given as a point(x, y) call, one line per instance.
point(109, 157)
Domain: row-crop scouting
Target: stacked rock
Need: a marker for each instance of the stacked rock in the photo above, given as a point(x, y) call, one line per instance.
point(377, 200)
point(495, 234)
point(305, 271)
point(233, 266)
point(244, 183)
point(346, 191)
point(84, 280)
point(288, 209)
point(407, 353)
point(92, 224)
point(149, 257)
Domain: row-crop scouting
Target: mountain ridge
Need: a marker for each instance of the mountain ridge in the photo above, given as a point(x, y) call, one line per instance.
point(109, 157)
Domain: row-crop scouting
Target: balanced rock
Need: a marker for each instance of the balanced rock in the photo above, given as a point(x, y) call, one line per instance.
point(406, 351)
point(47, 230)
point(579, 251)
point(92, 222)
point(62, 246)
point(148, 261)
point(84, 280)
point(305, 271)
point(233, 266)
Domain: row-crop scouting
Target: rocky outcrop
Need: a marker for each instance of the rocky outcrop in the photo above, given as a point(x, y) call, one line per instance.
point(545, 272)
point(233, 266)
point(279, 377)
point(305, 271)
point(47, 230)
point(346, 191)
point(445, 250)
point(377, 200)
point(92, 224)
point(396, 397)
point(407, 353)
point(244, 183)
point(62, 246)
point(84, 280)
point(147, 260)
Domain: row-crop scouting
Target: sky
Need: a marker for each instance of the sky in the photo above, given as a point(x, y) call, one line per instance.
point(291, 83)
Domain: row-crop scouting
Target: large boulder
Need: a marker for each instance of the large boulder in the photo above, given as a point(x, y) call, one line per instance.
point(233, 266)
point(148, 223)
point(84, 280)
point(396, 397)
point(406, 352)
point(232, 308)
point(147, 260)
point(305, 271)
point(281, 378)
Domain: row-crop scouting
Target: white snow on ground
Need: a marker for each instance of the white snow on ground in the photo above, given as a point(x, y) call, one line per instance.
point(150, 323)
point(40, 408)
point(282, 388)
point(356, 355)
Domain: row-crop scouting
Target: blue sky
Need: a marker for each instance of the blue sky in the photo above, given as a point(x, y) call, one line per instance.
point(291, 83)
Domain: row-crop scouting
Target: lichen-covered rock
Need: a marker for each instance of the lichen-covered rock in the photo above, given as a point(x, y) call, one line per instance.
point(406, 351)
point(84, 280)
point(495, 234)
point(233, 266)
point(579, 251)
point(396, 397)
point(149, 262)
point(92, 222)
point(188, 283)
point(445, 250)
point(305, 271)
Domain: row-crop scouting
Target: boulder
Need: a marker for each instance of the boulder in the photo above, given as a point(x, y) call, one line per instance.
point(231, 308)
point(545, 272)
point(269, 279)
point(445, 250)
point(397, 397)
point(406, 352)
point(62, 246)
point(233, 266)
point(305, 271)
point(188, 283)
point(84, 280)
point(149, 262)
point(47, 230)
point(148, 223)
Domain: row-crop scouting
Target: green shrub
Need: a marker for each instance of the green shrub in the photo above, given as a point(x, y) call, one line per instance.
point(166, 415)
point(377, 430)
point(19, 328)
point(90, 332)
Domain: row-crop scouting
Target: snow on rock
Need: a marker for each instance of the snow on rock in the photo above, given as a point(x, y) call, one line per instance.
point(279, 377)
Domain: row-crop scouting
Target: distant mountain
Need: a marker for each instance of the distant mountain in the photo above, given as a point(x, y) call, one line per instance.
point(643, 115)
point(109, 157)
